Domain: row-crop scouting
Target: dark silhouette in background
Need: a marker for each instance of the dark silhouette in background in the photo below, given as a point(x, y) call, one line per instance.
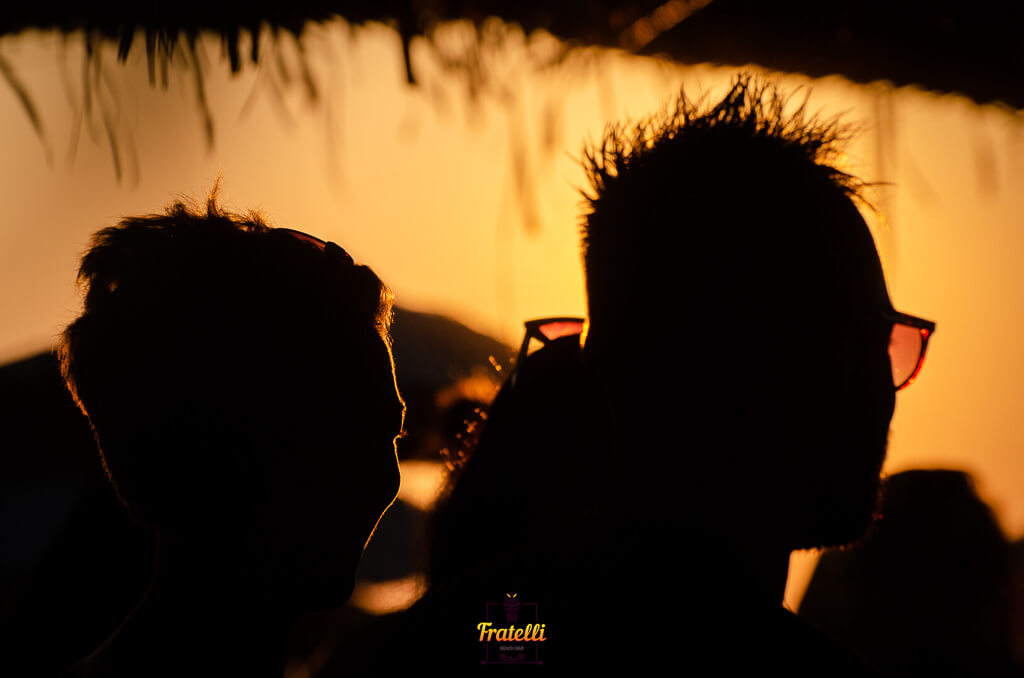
point(516, 516)
point(74, 564)
point(240, 385)
point(543, 454)
point(928, 592)
point(1017, 602)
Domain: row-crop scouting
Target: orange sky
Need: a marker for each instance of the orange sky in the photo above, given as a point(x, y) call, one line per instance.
point(417, 183)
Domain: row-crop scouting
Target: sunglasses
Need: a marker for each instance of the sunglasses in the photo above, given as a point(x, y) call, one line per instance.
point(908, 341)
point(329, 247)
point(545, 331)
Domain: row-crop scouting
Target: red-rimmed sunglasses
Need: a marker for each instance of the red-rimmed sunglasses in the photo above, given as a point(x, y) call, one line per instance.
point(323, 246)
point(545, 330)
point(908, 341)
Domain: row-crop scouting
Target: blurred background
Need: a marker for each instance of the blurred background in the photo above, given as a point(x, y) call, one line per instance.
point(443, 152)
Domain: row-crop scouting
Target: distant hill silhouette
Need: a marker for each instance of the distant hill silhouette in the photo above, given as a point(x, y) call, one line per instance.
point(433, 350)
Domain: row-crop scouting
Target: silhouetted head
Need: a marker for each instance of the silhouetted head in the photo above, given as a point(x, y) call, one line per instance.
point(541, 456)
point(736, 299)
point(240, 384)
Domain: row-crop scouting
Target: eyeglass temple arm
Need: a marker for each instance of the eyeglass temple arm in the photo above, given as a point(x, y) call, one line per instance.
point(910, 320)
point(533, 332)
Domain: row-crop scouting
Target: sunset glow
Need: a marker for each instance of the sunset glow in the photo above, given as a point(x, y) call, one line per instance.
point(421, 184)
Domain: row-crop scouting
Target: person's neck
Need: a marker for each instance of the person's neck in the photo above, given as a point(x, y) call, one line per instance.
point(205, 612)
point(742, 548)
point(746, 570)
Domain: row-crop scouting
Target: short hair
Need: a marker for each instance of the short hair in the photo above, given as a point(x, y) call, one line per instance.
point(204, 335)
point(667, 189)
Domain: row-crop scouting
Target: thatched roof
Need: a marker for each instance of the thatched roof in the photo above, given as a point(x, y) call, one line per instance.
point(975, 48)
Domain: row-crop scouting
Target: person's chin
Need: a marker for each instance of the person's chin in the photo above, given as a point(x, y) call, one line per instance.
point(844, 510)
point(840, 529)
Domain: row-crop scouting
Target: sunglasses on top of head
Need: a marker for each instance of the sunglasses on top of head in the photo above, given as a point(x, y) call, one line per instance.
point(545, 330)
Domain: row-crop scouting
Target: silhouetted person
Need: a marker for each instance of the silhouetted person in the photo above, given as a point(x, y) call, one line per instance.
point(742, 336)
point(512, 519)
point(540, 461)
point(240, 385)
point(741, 325)
point(928, 591)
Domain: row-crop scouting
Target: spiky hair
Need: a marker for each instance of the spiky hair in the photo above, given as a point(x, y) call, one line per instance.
point(660, 184)
point(752, 113)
